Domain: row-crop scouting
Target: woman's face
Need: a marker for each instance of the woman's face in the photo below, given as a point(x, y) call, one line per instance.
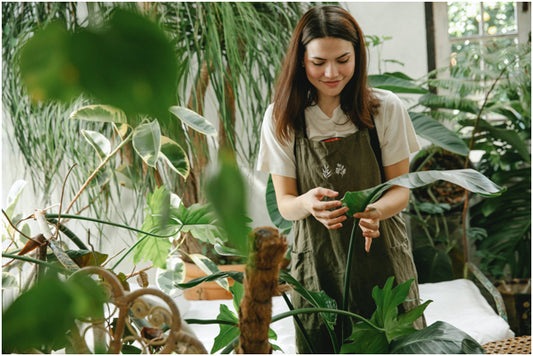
point(329, 64)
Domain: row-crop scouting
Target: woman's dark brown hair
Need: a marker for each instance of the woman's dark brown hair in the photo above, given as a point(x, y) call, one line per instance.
point(294, 92)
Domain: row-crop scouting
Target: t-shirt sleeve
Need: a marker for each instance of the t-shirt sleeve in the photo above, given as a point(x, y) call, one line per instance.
point(396, 133)
point(275, 157)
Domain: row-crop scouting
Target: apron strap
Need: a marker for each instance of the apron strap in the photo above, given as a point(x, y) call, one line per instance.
point(374, 142)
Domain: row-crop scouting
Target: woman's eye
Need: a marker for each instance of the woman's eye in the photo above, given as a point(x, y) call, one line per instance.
point(318, 64)
point(344, 61)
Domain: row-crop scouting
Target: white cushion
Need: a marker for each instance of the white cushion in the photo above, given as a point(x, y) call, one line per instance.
point(460, 303)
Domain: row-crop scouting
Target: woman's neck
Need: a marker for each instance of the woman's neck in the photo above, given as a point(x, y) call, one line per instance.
point(329, 104)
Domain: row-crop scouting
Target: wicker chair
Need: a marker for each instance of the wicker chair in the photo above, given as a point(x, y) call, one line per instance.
point(147, 319)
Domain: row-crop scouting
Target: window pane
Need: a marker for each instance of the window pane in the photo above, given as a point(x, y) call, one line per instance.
point(499, 17)
point(463, 19)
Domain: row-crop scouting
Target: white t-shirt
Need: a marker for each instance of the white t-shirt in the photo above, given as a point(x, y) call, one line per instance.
point(395, 131)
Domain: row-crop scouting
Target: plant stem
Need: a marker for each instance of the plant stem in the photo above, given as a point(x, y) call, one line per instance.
point(348, 272)
point(128, 252)
point(100, 166)
point(33, 260)
point(325, 310)
point(299, 324)
point(53, 216)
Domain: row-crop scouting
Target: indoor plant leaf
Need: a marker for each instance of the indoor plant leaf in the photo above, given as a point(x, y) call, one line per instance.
point(193, 120)
point(13, 196)
point(100, 113)
point(147, 142)
point(99, 142)
point(236, 275)
point(226, 191)
point(395, 84)
point(154, 249)
point(432, 264)
point(438, 338)
point(469, 179)
point(365, 339)
point(227, 333)
point(209, 267)
point(175, 156)
point(432, 130)
point(174, 273)
point(317, 299)
point(200, 221)
point(272, 207)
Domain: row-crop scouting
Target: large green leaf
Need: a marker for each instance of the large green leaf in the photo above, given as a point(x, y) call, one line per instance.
point(438, 338)
point(469, 179)
point(99, 142)
point(272, 207)
point(128, 63)
point(27, 325)
point(175, 156)
point(147, 142)
point(46, 67)
point(367, 339)
point(201, 222)
point(100, 113)
point(435, 132)
point(158, 220)
point(317, 299)
point(194, 120)
point(395, 84)
point(227, 193)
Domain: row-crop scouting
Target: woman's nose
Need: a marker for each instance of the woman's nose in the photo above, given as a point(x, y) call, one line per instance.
point(331, 70)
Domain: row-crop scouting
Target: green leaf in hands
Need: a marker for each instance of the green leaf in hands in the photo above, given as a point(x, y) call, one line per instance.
point(147, 142)
point(317, 299)
point(99, 142)
point(175, 156)
point(193, 120)
point(469, 179)
point(100, 113)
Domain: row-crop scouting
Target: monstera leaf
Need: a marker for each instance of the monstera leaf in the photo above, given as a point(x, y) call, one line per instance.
point(469, 179)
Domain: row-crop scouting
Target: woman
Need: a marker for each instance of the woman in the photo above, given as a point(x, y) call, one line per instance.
point(319, 141)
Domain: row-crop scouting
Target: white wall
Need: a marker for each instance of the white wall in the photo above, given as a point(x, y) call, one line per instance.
point(405, 23)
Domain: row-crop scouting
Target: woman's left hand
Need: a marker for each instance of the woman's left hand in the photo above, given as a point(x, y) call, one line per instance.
point(369, 223)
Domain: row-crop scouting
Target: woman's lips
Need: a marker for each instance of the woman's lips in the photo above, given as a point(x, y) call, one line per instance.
point(332, 83)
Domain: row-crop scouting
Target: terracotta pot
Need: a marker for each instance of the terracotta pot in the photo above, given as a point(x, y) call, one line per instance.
point(208, 290)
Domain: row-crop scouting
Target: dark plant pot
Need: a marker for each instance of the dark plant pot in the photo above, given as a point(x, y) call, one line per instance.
point(516, 295)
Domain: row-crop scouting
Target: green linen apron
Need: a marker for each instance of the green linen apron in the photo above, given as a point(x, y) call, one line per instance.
point(319, 255)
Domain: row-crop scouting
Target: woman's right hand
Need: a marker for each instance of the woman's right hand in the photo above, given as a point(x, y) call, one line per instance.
point(330, 213)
